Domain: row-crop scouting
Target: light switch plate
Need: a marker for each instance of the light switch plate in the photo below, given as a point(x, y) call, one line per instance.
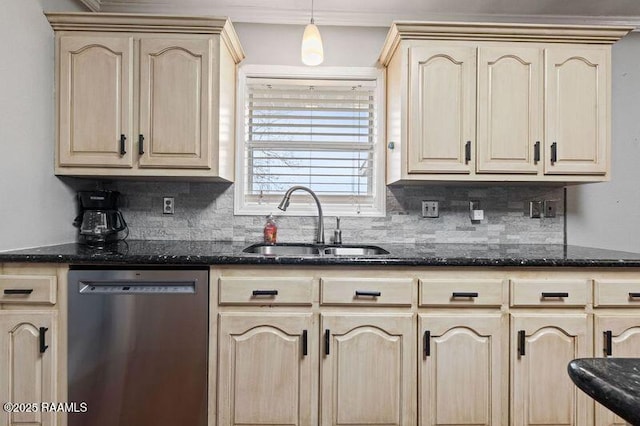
point(430, 209)
point(535, 209)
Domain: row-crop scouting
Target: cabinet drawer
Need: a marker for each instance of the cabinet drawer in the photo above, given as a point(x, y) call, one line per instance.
point(558, 293)
point(366, 291)
point(265, 291)
point(617, 293)
point(28, 289)
point(461, 292)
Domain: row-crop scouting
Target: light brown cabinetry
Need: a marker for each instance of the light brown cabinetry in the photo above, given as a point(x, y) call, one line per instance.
point(29, 344)
point(616, 328)
point(462, 365)
point(542, 345)
point(578, 113)
point(543, 342)
point(476, 102)
point(145, 96)
point(366, 369)
point(267, 368)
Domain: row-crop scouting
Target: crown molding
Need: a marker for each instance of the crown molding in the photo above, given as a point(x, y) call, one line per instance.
point(260, 14)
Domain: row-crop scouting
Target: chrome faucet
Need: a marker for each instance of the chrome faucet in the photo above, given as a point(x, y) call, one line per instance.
point(285, 203)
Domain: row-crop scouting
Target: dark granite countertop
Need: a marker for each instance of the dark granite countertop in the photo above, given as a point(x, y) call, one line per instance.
point(613, 382)
point(226, 252)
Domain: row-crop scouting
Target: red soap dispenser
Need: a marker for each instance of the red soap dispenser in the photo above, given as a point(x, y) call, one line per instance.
point(270, 230)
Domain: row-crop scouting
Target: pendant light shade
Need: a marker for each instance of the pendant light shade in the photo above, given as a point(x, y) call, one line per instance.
point(312, 52)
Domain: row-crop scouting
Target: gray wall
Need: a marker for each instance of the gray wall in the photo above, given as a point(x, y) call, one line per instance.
point(607, 214)
point(35, 207)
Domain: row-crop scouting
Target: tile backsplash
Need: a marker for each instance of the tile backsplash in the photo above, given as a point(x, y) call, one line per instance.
point(204, 211)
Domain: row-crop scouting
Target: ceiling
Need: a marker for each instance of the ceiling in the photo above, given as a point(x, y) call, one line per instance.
point(383, 12)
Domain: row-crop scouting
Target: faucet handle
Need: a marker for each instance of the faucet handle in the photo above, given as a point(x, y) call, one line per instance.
point(337, 234)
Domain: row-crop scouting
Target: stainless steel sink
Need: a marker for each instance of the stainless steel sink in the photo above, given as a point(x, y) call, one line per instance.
point(353, 251)
point(284, 249)
point(293, 249)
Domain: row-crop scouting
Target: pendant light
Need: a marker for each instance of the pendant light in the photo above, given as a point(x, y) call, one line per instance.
point(312, 52)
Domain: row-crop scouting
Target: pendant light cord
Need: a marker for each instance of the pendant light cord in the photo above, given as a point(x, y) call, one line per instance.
point(312, 11)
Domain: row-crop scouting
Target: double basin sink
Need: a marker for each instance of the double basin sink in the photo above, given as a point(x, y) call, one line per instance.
point(294, 249)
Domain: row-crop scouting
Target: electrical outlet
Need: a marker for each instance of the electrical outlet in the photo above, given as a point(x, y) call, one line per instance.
point(168, 205)
point(430, 209)
point(550, 207)
point(535, 209)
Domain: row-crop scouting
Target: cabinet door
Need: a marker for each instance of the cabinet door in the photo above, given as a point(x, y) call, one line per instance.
point(441, 119)
point(95, 101)
point(265, 376)
point(617, 336)
point(175, 104)
point(577, 110)
point(464, 369)
point(510, 99)
point(27, 375)
point(368, 370)
point(541, 347)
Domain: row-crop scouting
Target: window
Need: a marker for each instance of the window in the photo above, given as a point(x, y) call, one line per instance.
point(319, 128)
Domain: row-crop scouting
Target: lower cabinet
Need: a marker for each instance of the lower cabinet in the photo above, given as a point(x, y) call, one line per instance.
point(616, 335)
point(463, 370)
point(367, 370)
point(27, 366)
point(542, 345)
point(267, 369)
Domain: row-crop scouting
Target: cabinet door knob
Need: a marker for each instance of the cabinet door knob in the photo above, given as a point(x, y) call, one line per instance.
point(140, 144)
point(304, 343)
point(521, 343)
point(43, 347)
point(426, 343)
point(608, 342)
point(327, 341)
point(123, 140)
point(554, 152)
point(467, 152)
point(536, 152)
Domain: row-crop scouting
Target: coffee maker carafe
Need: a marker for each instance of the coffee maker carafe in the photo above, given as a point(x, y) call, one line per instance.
point(99, 221)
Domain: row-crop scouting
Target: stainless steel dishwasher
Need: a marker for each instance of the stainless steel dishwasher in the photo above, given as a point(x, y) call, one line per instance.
point(138, 346)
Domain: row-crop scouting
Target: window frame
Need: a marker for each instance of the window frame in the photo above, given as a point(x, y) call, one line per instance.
point(302, 204)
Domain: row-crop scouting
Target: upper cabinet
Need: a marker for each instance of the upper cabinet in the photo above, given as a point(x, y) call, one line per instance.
point(145, 96)
point(498, 102)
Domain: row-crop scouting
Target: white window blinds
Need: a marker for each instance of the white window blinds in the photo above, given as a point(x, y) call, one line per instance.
point(316, 133)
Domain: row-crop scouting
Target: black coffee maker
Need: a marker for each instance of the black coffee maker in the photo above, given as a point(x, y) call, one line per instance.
point(99, 221)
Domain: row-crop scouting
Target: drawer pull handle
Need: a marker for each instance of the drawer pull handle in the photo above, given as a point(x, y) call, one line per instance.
point(536, 152)
point(327, 341)
point(467, 152)
point(552, 294)
point(634, 295)
point(140, 145)
point(304, 343)
point(608, 343)
point(426, 343)
point(10, 291)
point(43, 347)
point(360, 293)
point(265, 292)
point(521, 342)
point(457, 294)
